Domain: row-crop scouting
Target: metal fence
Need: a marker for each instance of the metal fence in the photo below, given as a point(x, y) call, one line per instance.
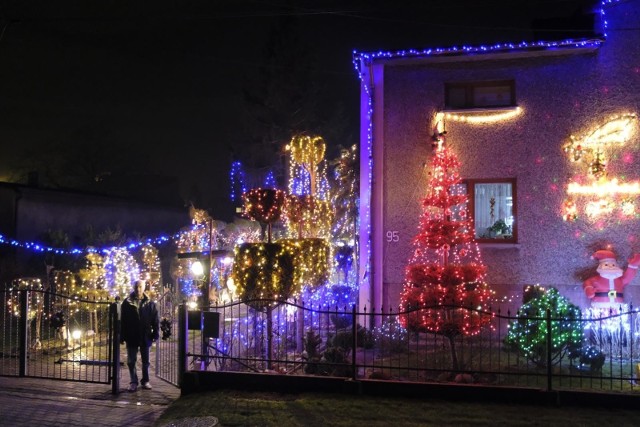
point(583, 353)
point(56, 336)
point(47, 335)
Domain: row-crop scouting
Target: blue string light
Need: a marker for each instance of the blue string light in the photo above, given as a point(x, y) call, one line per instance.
point(300, 181)
point(238, 181)
point(270, 180)
point(37, 247)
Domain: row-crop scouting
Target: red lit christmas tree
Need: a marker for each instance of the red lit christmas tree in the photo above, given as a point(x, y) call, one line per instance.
point(444, 290)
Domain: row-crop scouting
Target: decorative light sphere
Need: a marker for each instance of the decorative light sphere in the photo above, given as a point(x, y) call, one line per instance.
point(197, 269)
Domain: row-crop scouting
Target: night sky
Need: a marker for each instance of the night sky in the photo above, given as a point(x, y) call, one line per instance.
point(155, 87)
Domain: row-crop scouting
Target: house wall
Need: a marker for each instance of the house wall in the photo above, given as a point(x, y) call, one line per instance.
point(39, 211)
point(562, 95)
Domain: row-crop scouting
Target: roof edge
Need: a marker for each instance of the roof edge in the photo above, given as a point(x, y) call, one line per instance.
point(460, 53)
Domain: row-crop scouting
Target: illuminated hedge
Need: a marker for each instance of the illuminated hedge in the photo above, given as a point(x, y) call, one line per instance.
point(277, 271)
point(312, 261)
point(262, 271)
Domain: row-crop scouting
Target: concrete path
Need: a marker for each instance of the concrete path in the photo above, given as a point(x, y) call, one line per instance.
point(41, 402)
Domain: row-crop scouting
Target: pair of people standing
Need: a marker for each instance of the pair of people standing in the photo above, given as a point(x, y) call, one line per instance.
point(139, 327)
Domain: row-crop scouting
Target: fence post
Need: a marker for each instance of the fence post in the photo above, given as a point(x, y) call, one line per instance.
point(182, 342)
point(549, 348)
point(114, 320)
point(23, 335)
point(354, 330)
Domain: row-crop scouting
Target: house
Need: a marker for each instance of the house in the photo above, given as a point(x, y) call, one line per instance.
point(548, 138)
point(27, 212)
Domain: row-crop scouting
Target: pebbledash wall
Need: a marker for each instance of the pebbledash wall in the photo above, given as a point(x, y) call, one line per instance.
point(562, 88)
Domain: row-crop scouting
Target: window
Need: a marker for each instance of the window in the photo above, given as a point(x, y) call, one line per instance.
point(488, 94)
point(492, 204)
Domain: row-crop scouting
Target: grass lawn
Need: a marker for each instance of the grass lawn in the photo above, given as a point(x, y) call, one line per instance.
point(243, 408)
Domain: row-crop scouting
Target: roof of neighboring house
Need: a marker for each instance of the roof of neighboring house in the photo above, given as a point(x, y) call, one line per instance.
point(112, 195)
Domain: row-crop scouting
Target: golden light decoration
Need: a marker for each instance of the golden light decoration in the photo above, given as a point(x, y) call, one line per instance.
point(617, 130)
point(307, 150)
point(312, 262)
point(198, 236)
point(604, 187)
point(344, 194)
point(263, 271)
point(150, 269)
point(85, 300)
point(308, 217)
point(65, 282)
point(628, 207)
point(569, 211)
point(35, 298)
point(199, 216)
point(277, 271)
point(598, 167)
point(92, 276)
point(483, 116)
point(589, 147)
point(599, 207)
point(603, 194)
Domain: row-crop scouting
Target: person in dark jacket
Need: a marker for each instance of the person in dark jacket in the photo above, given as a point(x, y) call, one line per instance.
point(139, 328)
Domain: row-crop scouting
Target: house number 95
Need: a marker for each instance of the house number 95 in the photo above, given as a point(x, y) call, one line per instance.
point(393, 236)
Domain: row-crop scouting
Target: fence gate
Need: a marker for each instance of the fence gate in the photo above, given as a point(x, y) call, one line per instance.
point(167, 346)
point(46, 335)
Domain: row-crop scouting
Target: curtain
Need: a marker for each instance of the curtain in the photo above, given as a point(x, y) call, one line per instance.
point(493, 202)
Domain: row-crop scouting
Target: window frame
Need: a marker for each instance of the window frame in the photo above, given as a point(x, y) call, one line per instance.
point(471, 200)
point(469, 88)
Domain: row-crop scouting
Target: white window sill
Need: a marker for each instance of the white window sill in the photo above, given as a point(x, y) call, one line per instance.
point(499, 245)
point(475, 110)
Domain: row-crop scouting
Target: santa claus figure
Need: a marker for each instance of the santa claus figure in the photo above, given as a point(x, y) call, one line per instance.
point(606, 289)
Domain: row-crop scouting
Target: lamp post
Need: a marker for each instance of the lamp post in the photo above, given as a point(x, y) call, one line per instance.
point(201, 267)
point(201, 272)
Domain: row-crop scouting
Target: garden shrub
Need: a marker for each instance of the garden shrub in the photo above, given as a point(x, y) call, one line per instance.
point(528, 333)
point(391, 336)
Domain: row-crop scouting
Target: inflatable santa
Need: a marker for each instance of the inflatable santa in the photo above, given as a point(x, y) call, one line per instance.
point(606, 289)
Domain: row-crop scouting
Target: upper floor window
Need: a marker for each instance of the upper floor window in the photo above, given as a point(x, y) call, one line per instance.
point(492, 204)
point(485, 94)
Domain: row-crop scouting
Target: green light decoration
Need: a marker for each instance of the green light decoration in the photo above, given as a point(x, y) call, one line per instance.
point(529, 335)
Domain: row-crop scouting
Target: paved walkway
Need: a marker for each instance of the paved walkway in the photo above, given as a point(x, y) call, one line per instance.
point(41, 402)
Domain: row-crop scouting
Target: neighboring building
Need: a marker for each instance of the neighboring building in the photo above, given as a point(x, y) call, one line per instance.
point(509, 112)
point(28, 212)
